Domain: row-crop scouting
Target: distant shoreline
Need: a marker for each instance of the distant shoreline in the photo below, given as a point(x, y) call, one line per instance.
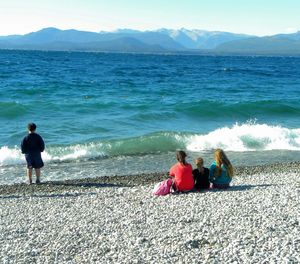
point(166, 53)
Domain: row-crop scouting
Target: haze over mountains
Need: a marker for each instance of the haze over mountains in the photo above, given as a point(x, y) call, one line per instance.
point(161, 41)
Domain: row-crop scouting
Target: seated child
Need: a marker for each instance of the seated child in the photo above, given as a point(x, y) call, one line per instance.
point(201, 175)
point(221, 170)
point(182, 173)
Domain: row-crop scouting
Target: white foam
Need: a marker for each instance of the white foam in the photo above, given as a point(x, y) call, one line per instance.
point(247, 137)
point(71, 153)
point(239, 137)
point(11, 156)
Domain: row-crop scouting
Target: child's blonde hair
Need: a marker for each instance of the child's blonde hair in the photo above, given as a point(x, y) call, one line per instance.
point(199, 160)
point(221, 158)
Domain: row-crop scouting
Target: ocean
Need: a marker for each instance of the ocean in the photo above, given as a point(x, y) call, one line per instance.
point(104, 114)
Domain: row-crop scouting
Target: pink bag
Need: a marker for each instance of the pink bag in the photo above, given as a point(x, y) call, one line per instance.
point(163, 188)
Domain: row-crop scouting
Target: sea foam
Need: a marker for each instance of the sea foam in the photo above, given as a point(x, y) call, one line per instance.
point(238, 138)
point(247, 137)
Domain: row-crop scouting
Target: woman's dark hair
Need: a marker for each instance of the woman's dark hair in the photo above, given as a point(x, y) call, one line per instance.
point(181, 155)
point(31, 127)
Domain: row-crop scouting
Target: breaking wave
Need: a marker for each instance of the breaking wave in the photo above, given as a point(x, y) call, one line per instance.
point(239, 137)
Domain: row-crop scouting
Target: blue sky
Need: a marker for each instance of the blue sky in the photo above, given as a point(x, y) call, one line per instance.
point(258, 17)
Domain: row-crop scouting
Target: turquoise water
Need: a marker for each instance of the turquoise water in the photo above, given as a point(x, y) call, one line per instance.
point(106, 114)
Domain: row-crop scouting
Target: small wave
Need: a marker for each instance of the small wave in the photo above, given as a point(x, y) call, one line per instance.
point(10, 110)
point(214, 109)
point(10, 156)
point(256, 72)
point(240, 137)
point(13, 156)
point(152, 143)
point(247, 137)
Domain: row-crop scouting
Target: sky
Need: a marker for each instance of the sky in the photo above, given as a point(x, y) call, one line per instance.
point(256, 17)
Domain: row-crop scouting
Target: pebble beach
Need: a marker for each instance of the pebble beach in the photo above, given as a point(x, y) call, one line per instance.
point(117, 220)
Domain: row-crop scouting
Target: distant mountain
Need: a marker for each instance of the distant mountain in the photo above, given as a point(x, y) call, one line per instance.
point(201, 39)
point(53, 38)
point(293, 36)
point(117, 45)
point(48, 35)
point(148, 37)
point(274, 45)
point(162, 40)
point(10, 37)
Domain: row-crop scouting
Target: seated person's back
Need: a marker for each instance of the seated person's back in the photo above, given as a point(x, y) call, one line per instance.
point(201, 175)
point(221, 170)
point(182, 173)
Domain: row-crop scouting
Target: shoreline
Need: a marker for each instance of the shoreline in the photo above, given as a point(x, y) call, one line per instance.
point(133, 180)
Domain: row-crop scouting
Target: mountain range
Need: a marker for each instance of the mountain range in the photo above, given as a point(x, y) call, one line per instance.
point(160, 41)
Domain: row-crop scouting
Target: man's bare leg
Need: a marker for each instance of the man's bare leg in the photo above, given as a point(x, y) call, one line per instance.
point(29, 174)
point(38, 175)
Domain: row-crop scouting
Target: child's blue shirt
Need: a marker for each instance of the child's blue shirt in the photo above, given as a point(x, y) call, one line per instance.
point(224, 178)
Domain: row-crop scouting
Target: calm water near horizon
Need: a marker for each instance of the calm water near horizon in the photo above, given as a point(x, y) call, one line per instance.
point(107, 114)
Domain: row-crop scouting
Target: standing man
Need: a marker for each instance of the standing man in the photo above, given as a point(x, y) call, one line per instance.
point(32, 145)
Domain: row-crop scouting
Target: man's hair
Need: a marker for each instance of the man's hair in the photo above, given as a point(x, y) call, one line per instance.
point(31, 127)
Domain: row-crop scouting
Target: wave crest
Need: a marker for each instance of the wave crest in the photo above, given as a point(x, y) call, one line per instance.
point(239, 137)
point(247, 137)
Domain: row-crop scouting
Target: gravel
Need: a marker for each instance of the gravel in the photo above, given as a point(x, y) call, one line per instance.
point(118, 220)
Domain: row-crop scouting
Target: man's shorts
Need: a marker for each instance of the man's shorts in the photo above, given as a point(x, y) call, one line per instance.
point(34, 161)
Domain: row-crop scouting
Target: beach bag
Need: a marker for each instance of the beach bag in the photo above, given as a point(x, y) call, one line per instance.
point(163, 188)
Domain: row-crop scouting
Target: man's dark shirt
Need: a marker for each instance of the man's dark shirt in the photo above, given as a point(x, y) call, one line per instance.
point(32, 143)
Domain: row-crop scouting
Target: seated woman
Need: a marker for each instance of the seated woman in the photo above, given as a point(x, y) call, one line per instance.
point(221, 170)
point(201, 175)
point(182, 173)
